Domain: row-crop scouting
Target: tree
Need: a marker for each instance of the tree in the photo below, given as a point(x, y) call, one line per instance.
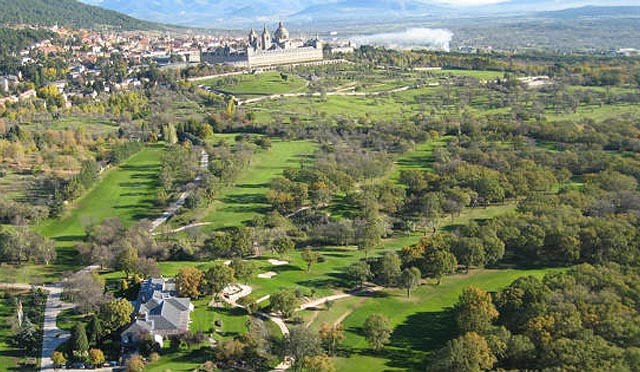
point(86, 290)
point(470, 252)
point(302, 343)
point(282, 245)
point(115, 314)
point(242, 241)
point(359, 272)
point(79, 342)
point(309, 256)
point(331, 335)
point(128, 260)
point(440, 262)
point(58, 359)
point(390, 268)
point(96, 357)
point(169, 134)
point(188, 282)
point(468, 353)
point(285, 302)
point(369, 231)
point(94, 330)
point(135, 363)
point(410, 279)
point(27, 337)
point(377, 330)
point(475, 311)
point(431, 210)
point(218, 277)
point(244, 270)
point(319, 363)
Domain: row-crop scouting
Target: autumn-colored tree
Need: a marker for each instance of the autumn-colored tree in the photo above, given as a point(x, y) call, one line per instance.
point(135, 364)
point(468, 353)
point(96, 357)
point(331, 335)
point(115, 314)
point(318, 363)
point(188, 282)
point(475, 311)
point(58, 359)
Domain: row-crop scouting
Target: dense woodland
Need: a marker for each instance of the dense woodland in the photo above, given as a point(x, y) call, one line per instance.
point(569, 187)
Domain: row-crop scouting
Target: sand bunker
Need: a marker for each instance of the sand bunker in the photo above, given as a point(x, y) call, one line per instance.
point(275, 262)
point(267, 275)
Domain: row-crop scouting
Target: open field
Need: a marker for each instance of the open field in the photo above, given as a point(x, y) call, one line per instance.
point(126, 192)
point(247, 199)
point(262, 84)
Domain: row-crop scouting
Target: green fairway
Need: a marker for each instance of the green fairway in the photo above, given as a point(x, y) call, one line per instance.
point(247, 199)
point(420, 158)
point(421, 323)
point(126, 192)
point(258, 84)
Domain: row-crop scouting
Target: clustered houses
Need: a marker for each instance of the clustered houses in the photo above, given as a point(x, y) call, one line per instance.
point(85, 53)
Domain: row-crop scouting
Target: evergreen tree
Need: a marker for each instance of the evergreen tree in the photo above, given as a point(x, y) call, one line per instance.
point(79, 341)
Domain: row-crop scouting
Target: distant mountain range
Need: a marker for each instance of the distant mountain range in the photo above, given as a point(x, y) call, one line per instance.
point(240, 13)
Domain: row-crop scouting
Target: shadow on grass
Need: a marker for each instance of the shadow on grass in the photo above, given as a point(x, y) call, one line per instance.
point(245, 199)
point(414, 340)
point(284, 268)
point(69, 238)
point(319, 283)
point(253, 186)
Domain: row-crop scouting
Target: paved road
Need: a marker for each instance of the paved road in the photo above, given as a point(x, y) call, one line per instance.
point(173, 208)
point(52, 336)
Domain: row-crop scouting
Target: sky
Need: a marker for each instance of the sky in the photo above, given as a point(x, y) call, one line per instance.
point(559, 2)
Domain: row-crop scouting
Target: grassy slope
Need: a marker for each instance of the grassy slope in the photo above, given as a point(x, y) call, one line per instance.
point(126, 192)
point(421, 323)
point(247, 199)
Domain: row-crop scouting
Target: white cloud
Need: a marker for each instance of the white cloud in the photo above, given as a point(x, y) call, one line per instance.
point(411, 38)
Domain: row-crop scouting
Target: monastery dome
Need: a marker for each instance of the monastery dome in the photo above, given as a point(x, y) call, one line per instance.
point(281, 33)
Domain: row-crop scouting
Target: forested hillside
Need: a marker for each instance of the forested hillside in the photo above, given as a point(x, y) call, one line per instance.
point(66, 13)
point(12, 41)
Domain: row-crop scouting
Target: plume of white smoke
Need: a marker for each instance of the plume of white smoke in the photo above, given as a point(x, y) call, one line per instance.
point(411, 38)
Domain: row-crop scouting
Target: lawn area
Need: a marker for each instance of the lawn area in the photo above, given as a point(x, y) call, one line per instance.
point(11, 357)
point(597, 113)
point(126, 192)
point(262, 84)
point(421, 323)
point(478, 74)
point(247, 199)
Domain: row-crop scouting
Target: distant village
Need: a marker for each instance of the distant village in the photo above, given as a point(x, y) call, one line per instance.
point(165, 50)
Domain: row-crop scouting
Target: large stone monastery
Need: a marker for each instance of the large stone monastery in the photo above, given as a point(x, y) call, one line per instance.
point(264, 50)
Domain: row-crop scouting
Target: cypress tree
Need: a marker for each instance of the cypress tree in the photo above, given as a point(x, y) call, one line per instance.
point(79, 340)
